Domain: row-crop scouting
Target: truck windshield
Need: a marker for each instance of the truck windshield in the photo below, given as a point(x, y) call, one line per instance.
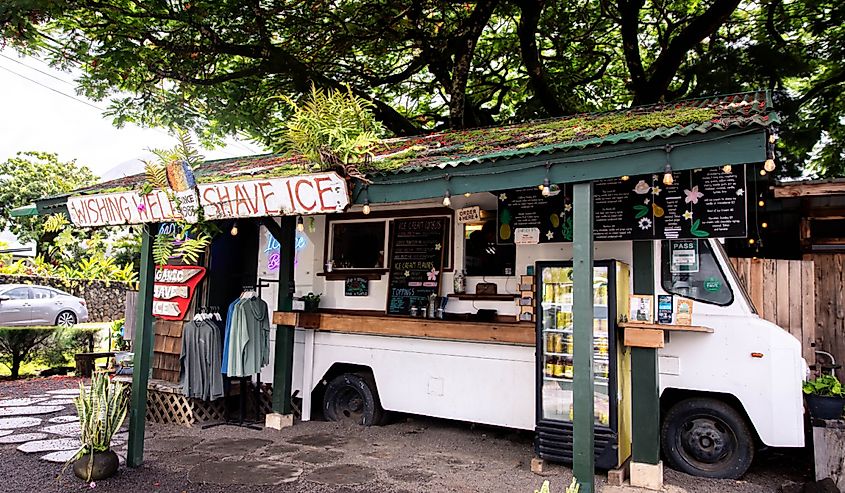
point(691, 269)
point(720, 250)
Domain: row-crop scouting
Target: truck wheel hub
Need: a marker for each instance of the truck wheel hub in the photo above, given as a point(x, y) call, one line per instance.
point(705, 440)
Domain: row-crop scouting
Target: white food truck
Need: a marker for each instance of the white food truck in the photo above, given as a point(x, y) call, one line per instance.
point(722, 394)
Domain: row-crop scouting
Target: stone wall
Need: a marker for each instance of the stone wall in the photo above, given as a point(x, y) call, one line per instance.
point(106, 300)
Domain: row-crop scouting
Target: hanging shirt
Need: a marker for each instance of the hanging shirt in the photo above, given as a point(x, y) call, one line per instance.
point(229, 315)
point(249, 338)
point(200, 360)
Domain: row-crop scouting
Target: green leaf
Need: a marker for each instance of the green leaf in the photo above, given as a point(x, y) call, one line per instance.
point(641, 211)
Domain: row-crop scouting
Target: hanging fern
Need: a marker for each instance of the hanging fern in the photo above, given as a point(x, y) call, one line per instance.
point(163, 248)
point(333, 130)
point(55, 223)
point(191, 248)
point(156, 174)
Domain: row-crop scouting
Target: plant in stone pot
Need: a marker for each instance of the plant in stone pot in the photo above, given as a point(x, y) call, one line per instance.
point(102, 410)
point(825, 397)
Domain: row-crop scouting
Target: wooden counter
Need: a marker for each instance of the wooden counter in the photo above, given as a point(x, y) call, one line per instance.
point(651, 335)
point(495, 332)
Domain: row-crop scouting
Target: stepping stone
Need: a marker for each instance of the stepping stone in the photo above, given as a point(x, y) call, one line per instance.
point(12, 423)
point(71, 392)
point(68, 429)
point(6, 432)
point(29, 410)
point(348, 474)
point(231, 446)
point(57, 402)
point(60, 456)
point(247, 473)
point(50, 445)
point(64, 419)
point(25, 401)
point(23, 437)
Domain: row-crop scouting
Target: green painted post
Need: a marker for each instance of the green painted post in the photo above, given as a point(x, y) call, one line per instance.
point(582, 317)
point(143, 347)
point(645, 406)
point(283, 362)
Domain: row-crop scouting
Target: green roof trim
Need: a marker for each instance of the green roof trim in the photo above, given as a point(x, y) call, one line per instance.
point(24, 211)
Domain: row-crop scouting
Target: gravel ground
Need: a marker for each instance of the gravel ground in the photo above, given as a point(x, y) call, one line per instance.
point(411, 455)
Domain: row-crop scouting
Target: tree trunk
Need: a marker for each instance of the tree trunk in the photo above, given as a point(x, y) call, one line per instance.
point(16, 366)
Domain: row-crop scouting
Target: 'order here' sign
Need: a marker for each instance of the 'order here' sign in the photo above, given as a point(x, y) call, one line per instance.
point(318, 193)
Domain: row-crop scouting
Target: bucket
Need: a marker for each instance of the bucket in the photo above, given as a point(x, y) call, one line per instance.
point(825, 407)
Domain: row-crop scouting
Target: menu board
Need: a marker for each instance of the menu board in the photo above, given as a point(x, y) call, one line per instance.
point(702, 203)
point(416, 259)
point(525, 216)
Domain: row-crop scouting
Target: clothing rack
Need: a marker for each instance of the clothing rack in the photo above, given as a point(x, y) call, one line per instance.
point(243, 383)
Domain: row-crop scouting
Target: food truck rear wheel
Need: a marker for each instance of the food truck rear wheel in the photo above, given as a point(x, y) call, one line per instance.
point(708, 438)
point(351, 396)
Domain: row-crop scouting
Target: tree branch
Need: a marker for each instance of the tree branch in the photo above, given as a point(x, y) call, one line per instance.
point(529, 20)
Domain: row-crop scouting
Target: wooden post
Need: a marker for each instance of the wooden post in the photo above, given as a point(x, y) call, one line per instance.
point(582, 317)
point(283, 362)
point(143, 348)
point(646, 470)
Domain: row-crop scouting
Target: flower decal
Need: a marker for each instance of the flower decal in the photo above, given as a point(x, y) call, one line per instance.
point(645, 223)
point(693, 195)
point(688, 215)
point(142, 207)
point(740, 192)
point(550, 235)
point(503, 197)
point(432, 274)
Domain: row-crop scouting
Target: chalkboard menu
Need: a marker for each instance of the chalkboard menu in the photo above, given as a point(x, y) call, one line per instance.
point(701, 203)
point(416, 259)
point(525, 216)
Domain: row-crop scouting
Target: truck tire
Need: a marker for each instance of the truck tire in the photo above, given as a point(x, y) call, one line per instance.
point(353, 397)
point(708, 438)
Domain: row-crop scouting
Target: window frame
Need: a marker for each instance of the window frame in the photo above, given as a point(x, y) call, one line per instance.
point(665, 254)
point(388, 216)
point(28, 291)
point(50, 293)
point(483, 276)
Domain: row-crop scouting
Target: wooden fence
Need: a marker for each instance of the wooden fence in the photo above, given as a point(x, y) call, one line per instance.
point(784, 292)
point(830, 305)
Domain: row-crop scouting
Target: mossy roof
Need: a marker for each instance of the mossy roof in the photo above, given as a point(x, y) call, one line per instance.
point(465, 147)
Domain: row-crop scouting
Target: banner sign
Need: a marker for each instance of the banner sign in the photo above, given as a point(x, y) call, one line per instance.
point(174, 289)
point(318, 193)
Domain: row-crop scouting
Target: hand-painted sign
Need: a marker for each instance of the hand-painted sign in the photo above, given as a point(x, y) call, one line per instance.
point(318, 193)
point(468, 215)
point(174, 289)
point(356, 286)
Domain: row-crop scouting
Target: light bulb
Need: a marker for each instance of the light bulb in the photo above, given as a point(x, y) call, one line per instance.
point(765, 225)
point(446, 200)
point(547, 191)
point(750, 241)
point(626, 178)
point(300, 224)
point(762, 172)
point(727, 168)
point(468, 194)
point(668, 179)
point(769, 165)
point(366, 207)
point(234, 230)
point(773, 138)
point(761, 203)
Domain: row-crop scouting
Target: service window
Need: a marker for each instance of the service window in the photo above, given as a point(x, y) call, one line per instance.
point(690, 269)
point(358, 244)
point(483, 256)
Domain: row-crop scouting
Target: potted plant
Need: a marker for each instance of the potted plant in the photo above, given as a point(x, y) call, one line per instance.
point(102, 410)
point(825, 397)
point(312, 301)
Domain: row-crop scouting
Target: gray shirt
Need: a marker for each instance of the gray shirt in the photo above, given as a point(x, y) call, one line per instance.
point(200, 360)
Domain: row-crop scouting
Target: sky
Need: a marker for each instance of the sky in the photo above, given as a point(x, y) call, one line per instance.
point(38, 118)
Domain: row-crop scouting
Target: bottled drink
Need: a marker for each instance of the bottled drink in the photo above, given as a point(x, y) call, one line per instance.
point(559, 371)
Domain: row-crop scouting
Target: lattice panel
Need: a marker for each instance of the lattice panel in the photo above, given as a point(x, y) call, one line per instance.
point(168, 407)
point(265, 404)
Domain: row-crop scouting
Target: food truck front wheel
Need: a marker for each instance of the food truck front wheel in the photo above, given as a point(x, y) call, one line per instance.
point(708, 438)
point(353, 396)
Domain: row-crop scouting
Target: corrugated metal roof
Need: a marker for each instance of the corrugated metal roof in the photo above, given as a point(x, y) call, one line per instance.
point(465, 147)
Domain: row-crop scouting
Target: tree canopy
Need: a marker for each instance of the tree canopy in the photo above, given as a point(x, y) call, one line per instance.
point(34, 175)
point(216, 66)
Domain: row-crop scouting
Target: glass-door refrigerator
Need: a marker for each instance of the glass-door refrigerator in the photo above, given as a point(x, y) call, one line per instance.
point(555, 372)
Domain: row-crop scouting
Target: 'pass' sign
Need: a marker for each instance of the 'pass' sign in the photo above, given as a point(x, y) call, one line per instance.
point(318, 193)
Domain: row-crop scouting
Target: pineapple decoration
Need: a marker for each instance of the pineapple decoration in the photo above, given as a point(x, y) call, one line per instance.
point(505, 228)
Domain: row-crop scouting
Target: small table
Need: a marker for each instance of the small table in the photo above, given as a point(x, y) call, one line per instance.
point(85, 362)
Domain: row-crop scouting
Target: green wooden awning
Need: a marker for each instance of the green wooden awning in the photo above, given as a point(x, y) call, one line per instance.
point(24, 211)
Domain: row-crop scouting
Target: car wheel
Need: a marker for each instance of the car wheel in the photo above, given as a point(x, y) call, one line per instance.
point(66, 319)
point(707, 438)
point(352, 397)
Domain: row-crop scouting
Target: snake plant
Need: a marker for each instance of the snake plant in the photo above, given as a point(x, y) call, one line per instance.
point(101, 410)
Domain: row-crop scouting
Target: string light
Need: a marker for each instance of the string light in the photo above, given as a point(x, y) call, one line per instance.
point(750, 241)
point(762, 172)
point(667, 175)
point(764, 225)
point(626, 178)
point(727, 168)
point(447, 200)
point(769, 165)
point(468, 194)
point(300, 224)
point(772, 138)
point(761, 203)
point(366, 208)
point(234, 230)
point(546, 188)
